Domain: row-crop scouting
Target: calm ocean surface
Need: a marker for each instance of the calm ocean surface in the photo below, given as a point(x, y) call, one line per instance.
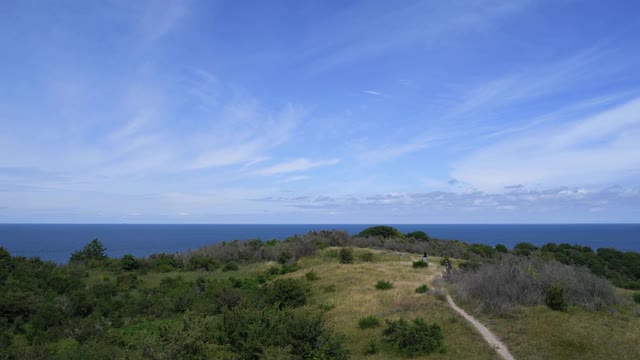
point(57, 241)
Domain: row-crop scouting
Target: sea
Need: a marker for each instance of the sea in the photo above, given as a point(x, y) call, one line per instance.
point(56, 242)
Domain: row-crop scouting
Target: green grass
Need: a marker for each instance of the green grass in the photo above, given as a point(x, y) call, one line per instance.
point(244, 271)
point(346, 295)
point(541, 333)
point(368, 322)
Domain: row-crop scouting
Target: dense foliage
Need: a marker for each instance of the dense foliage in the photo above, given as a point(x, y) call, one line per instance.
point(414, 338)
point(381, 231)
point(517, 280)
point(99, 308)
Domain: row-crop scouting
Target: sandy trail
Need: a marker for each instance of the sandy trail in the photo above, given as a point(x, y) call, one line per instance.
point(488, 336)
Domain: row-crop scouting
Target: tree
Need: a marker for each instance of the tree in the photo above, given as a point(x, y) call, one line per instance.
point(418, 235)
point(92, 251)
point(129, 263)
point(382, 231)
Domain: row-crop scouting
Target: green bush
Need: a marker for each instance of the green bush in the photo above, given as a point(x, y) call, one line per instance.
point(230, 266)
point(414, 338)
point(93, 251)
point(418, 235)
point(129, 263)
point(311, 276)
point(346, 256)
point(422, 289)
point(287, 292)
point(384, 285)
point(420, 264)
point(524, 249)
point(554, 298)
point(501, 248)
point(381, 231)
point(636, 297)
point(366, 257)
point(368, 322)
point(201, 262)
point(288, 268)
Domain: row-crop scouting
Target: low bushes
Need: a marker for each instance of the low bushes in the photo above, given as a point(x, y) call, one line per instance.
point(420, 264)
point(384, 285)
point(345, 256)
point(422, 289)
point(516, 280)
point(414, 338)
point(368, 322)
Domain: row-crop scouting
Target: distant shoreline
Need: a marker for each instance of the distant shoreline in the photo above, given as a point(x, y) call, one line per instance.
point(56, 242)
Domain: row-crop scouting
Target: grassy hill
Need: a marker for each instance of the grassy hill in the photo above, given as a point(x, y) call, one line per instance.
point(530, 333)
point(117, 309)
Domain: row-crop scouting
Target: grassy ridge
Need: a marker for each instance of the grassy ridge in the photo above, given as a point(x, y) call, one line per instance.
point(355, 297)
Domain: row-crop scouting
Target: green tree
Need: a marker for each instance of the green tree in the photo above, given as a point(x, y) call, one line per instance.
point(129, 263)
point(418, 235)
point(381, 231)
point(93, 251)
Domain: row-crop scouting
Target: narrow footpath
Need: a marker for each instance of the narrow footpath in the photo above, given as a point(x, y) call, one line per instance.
point(488, 336)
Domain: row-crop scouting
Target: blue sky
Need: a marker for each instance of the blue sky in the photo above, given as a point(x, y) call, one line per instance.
point(319, 111)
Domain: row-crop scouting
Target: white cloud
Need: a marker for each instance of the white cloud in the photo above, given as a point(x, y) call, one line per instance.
point(604, 148)
point(296, 165)
point(371, 92)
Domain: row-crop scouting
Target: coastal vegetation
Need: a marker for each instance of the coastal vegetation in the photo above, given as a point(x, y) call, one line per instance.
point(316, 296)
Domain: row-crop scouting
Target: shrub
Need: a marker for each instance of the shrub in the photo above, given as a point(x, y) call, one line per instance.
point(501, 248)
point(555, 300)
point(284, 257)
point(288, 268)
point(415, 338)
point(164, 262)
point(384, 285)
point(420, 264)
point(129, 263)
point(311, 276)
point(368, 322)
point(516, 280)
point(381, 231)
point(366, 257)
point(93, 251)
point(230, 266)
point(524, 249)
point(201, 262)
point(287, 292)
point(274, 270)
point(422, 289)
point(636, 297)
point(418, 235)
point(346, 256)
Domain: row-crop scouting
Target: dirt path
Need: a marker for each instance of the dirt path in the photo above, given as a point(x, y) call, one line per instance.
point(488, 336)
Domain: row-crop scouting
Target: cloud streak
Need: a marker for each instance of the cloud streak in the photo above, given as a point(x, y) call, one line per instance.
point(602, 148)
point(296, 165)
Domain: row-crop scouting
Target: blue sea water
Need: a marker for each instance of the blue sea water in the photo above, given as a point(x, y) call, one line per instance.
point(56, 242)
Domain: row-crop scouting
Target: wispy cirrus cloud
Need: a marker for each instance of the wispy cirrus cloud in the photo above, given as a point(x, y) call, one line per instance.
point(296, 165)
point(601, 148)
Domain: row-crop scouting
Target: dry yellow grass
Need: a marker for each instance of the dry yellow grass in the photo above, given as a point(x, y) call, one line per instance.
point(356, 297)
